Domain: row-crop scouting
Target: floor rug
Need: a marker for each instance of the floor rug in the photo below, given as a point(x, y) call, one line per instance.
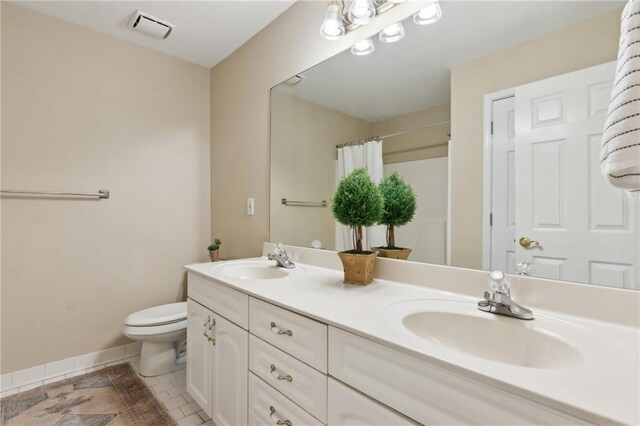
point(113, 396)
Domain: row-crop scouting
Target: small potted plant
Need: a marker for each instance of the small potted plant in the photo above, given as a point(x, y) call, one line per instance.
point(399, 209)
point(357, 203)
point(214, 250)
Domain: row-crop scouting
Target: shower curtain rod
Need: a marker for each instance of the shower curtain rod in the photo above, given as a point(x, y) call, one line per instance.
point(373, 138)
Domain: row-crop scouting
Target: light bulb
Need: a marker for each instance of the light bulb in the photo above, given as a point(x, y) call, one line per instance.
point(363, 47)
point(361, 12)
point(332, 27)
point(392, 33)
point(428, 15)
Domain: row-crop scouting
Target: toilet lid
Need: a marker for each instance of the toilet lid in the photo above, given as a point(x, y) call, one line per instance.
point(158, 315)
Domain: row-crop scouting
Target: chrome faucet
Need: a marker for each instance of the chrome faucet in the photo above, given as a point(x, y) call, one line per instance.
point(498, 299)
point(281, 257)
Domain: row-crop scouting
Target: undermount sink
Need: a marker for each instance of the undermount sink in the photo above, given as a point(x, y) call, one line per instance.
point(461, 327)
point(253, 271)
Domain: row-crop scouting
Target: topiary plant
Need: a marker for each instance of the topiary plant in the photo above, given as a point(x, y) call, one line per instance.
point(357, 203)
point(215, 245)
point(399, 205)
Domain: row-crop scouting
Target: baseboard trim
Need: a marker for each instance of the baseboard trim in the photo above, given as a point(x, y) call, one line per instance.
point(29, 378)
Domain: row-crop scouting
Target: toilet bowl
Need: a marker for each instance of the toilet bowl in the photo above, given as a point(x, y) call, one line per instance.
point(162, 331)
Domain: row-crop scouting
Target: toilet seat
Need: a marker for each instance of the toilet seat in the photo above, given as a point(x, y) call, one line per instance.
point(158, 316)
point(150, 330)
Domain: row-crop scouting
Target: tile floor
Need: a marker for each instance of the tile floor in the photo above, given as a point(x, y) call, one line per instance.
point(171, 390)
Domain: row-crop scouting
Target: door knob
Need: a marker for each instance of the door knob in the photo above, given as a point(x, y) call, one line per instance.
point(526, 242)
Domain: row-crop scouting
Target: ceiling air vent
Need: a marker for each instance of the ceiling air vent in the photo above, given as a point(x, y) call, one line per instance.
point(150, 25)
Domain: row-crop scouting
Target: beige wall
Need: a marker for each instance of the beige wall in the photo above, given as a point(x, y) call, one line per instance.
point(589, 43)
point(240, 115)
point(303, 166)
point(420, 145)
point(83, 111)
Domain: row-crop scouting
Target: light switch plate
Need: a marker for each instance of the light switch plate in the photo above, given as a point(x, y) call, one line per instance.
point(250, 206)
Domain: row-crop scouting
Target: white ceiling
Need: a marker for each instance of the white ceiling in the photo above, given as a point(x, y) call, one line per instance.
point(414, 73)
point(206, 31)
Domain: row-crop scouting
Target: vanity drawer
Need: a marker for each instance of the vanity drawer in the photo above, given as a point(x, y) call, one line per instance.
point(299, 336)
point(307, 387)
point(348, 407)
point(426, 393)
point(225, 301)
point(268, 407)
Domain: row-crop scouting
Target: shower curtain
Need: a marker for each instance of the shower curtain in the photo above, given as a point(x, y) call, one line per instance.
point(369, 156)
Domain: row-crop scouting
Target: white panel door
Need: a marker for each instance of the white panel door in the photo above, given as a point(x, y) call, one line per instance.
point(503, 203)
point(588, 230)
point(230, 374)
point(199, 354)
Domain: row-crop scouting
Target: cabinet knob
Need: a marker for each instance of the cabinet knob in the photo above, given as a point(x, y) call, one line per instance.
point(272, 412)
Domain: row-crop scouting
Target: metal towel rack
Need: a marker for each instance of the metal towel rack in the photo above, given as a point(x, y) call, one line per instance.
point(286, 202)
point(103, 193)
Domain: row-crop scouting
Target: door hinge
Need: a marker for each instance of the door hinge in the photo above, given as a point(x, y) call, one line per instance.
point(492, 127)
point(490, 219)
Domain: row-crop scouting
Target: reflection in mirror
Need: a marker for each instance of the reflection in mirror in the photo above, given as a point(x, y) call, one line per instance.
point(494, 115)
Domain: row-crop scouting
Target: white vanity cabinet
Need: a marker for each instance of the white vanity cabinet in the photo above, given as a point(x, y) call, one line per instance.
point(253, 362)
point(217, 359)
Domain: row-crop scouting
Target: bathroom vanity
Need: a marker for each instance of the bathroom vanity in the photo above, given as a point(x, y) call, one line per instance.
point(297, 347)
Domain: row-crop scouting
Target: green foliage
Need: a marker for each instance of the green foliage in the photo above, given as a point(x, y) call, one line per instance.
point(357, 203)
point(399, 201)
point(215, 245)
point(399, 205)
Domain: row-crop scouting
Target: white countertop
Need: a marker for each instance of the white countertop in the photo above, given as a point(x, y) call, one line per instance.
point(605, 388)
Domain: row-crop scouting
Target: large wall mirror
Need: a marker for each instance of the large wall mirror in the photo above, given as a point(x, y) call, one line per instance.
point(494, 114)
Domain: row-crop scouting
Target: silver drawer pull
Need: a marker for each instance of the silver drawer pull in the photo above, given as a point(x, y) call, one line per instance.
point(208, 335)
point(288, 378)
point(279, 422)
point(206, 326)
point(279, 330)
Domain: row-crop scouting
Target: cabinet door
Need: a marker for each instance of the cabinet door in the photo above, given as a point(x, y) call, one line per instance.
point(199, 354)
point(230, 373)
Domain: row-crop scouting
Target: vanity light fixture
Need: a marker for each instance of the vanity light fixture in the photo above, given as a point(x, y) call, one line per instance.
point(336, 23)
point(363, 47)
point(429, 15)
point(361, 12)
point(392, 33)
point(332, 27)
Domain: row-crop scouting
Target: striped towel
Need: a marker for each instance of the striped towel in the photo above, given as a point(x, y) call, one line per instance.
point(620, 152)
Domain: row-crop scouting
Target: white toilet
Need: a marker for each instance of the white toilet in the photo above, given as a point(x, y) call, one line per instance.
point(162, 331)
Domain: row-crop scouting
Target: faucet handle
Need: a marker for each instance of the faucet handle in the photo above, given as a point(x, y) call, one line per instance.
point(279, 249)
point(499, 283)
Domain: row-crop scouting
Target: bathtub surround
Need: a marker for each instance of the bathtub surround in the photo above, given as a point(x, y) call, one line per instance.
point(83, 111)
